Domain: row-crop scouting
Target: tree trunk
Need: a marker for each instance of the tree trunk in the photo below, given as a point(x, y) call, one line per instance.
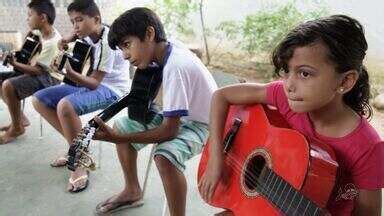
point(204, 32)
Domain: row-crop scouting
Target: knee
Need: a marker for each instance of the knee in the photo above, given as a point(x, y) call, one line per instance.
point(114, 126)
point(36, 103)
point(163, 164)
point(7, 87)
point(65, 108)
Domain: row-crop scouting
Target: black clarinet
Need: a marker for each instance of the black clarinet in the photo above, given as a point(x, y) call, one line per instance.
point(139, 101)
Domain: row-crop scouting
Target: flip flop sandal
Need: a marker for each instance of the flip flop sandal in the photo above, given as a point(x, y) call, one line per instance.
point(117, 206)
point(79, 189)
point(59, 162)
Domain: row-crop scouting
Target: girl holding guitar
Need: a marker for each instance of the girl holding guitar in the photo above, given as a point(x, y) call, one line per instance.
point(323, 94)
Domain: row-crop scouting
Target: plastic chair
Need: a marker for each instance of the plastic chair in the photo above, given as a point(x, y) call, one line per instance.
point(165, 211)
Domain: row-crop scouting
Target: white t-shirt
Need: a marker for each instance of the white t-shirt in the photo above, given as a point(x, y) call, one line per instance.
point(187, 86)
point(112, 63)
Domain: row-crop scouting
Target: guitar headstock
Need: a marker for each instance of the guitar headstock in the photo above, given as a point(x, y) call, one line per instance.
point(78, 153)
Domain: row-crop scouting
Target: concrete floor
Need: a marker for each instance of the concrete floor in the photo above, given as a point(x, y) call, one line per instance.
point(29, 186)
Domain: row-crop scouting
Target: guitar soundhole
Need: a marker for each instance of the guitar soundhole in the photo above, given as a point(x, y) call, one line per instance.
point(252, 172)
point(252, 169)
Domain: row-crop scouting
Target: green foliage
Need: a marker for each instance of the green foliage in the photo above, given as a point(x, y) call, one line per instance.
point(261, 31)
point(175, 15)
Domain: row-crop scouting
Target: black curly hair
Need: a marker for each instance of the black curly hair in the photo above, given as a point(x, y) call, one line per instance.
point(134, 22)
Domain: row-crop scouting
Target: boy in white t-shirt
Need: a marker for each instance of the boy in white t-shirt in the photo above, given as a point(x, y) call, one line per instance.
point(26, 79)
point(182, 128)
point(62, 105)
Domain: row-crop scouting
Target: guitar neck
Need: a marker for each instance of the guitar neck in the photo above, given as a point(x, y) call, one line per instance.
point(111, 110)
point(285, 197)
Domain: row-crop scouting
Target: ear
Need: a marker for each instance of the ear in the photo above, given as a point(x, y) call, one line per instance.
point(97, 19)
point(349, 80)
point(44, 17)
point(150, 34)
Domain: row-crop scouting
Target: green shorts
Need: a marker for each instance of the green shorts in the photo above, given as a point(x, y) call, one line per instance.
point(188, 143)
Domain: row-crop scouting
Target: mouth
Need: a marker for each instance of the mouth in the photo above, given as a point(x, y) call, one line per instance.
point(133, 63)
point(295, 99)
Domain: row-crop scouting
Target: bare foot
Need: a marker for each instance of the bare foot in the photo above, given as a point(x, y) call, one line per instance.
point(11, 134)
point(125, 199)
point(24, 121)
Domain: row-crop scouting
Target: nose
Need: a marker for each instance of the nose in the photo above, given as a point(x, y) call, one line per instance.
point(75, 26)
point(289, 82)
point(126, 54)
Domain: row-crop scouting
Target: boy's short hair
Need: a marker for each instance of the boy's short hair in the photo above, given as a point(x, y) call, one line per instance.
point(87, 7)
point(44, 7)
point(134, 22)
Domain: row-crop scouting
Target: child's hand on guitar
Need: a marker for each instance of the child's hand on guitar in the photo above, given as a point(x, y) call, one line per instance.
point(63, 44)
point(55, 63)
point(10, 58)
point(68, 68)
point(104, 132)
point(211, 177)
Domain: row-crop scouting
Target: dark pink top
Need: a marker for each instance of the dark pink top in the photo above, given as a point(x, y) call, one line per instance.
point(360, 154)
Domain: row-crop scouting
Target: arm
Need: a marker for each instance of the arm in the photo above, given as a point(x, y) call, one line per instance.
point(166, 131)
point(63, 43)
point(368, 203)
point(105, 65)
point(26, 69)
point(222, 98)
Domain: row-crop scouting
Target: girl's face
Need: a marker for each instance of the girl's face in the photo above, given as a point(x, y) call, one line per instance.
point(312, 81)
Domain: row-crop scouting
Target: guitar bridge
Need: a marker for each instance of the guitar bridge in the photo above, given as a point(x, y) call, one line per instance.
point(230, 136)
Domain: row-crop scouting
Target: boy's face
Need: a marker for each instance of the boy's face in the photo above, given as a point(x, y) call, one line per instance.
point(312, 81)
point(139, 53)
point(83, 25)
point(34, 19)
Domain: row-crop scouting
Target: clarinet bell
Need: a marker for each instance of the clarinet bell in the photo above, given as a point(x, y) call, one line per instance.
point(86, 161)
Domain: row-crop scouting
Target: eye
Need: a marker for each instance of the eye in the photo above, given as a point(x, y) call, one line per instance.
point(78, 20)
point(305, 74)
point(127, 45)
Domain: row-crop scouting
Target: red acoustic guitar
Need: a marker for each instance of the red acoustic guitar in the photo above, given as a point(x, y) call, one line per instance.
point(270, 169)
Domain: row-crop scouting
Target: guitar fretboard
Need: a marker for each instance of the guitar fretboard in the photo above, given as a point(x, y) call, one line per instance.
point(285, 197)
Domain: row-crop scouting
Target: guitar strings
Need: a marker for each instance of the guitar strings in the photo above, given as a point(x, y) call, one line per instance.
point(263, 189)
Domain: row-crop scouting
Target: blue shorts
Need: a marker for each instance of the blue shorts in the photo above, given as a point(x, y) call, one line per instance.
point(82, 99)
